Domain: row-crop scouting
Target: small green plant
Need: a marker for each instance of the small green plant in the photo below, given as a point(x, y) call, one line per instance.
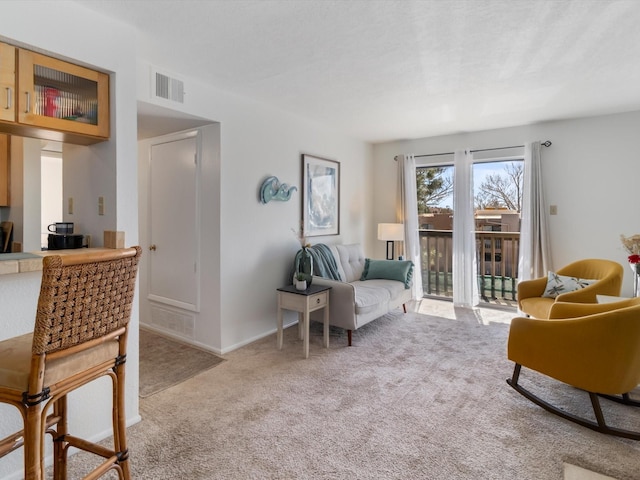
point(300, 276)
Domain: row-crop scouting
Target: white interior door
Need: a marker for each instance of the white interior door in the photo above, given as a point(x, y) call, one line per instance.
point(173, 213)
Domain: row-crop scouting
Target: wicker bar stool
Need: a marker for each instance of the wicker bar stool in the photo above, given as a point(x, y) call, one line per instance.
point(80, 335)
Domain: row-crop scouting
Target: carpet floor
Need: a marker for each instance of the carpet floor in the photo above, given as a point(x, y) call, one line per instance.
point(417, 397)
point(165, 362)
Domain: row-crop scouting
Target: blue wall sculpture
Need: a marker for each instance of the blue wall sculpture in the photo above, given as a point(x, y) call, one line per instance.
point(272, 189)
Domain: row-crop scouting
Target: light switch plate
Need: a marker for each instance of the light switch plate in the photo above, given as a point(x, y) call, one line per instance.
point(100, 205)
point(553, 210)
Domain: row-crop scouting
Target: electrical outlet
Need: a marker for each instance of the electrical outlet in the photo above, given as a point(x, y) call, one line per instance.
point(100, 205)
point(70, 206)
point(553, 210)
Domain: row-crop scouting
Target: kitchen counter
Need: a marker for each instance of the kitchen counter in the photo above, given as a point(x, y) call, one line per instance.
point(23, 262)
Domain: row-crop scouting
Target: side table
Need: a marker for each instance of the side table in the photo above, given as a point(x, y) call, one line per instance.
point(304, 302)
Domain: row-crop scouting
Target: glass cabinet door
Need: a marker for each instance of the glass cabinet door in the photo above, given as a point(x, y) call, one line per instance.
point(7, 82)
point(62, 96)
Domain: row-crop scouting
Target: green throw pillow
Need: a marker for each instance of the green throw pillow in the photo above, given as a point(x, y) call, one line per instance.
point(400, 270)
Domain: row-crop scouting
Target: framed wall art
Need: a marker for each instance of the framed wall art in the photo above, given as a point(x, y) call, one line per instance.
point(320, 196)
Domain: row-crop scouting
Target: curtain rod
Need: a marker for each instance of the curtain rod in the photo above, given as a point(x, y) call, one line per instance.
point(545, 144)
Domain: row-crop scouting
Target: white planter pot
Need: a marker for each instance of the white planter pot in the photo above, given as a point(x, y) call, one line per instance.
point(301, 284)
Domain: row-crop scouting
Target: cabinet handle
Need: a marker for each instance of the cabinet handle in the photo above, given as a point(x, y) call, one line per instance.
point(152, 248)
point(28, 94)
point(317, 300)
point(9, 99)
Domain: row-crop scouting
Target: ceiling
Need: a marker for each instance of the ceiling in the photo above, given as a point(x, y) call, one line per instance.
point(382, 70)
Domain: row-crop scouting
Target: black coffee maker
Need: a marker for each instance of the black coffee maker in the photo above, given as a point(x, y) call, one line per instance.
point(63, 238)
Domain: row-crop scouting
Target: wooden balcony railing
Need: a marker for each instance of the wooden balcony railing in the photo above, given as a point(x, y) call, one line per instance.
point(496, 259)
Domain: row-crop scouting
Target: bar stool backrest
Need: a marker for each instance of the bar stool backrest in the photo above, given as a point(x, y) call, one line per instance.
point(84, 297)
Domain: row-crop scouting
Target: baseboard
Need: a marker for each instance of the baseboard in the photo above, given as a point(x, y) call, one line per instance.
point(208, 348)
point(235, 346)
point(188, 341)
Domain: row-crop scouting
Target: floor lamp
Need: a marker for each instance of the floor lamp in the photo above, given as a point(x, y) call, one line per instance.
point(391, 232)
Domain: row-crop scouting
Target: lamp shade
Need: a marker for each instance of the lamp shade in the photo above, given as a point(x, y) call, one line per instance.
point(391, 231)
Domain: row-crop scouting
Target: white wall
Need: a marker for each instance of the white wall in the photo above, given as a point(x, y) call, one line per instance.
point(25, 210)
point(50, 194)
point(590, 172)
point(15, 212)
point(31, 195)
point(256, 244)
point(87, 175)
point(70, 31)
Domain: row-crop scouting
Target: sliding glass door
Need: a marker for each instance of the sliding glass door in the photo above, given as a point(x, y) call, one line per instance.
point(435, 223)
point(497, 203)
point(497, 209)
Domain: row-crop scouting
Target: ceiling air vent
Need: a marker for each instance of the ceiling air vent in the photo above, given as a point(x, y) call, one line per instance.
point(167, 87)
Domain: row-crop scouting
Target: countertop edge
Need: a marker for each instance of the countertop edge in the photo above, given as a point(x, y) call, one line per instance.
point(25, 265)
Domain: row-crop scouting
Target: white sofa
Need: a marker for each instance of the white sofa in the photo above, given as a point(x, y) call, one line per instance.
point(354, 302)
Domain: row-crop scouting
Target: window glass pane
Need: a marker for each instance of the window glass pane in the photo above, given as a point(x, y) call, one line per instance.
point(435, 221)
point(498, 203)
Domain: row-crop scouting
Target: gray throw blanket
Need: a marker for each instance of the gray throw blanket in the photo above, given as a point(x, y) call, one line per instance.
point(324, 263)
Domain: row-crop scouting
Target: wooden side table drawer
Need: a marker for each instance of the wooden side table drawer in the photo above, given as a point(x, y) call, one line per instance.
point(318, 301)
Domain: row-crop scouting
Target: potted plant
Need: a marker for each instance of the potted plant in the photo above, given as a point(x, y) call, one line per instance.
point(303, 261)
point(301, 281)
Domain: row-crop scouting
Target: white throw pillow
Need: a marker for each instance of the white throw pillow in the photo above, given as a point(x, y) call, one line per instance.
point(558, 284)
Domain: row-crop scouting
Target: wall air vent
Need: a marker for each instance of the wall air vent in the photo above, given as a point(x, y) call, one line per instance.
point(166, 87)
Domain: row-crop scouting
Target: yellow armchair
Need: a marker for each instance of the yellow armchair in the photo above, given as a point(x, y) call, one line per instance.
point(608, 273)
point(598, 353)
point(571, 310)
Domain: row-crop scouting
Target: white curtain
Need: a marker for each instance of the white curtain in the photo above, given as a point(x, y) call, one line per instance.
point(465, 283)
point(535, 256)
point(407, 214)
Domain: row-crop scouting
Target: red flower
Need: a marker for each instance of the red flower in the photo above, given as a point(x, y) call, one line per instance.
point(634, 259)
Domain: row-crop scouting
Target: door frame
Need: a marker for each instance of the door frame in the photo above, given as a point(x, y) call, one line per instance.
point(195, 307)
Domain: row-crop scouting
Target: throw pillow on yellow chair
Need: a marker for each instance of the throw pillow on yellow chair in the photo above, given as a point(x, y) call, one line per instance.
point(608, 281)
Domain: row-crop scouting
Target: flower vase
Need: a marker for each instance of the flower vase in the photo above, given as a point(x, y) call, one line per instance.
point(304, 264)
point(635, 267)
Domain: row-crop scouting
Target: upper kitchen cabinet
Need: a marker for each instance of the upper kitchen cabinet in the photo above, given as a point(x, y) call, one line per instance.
point(5, 147)
point(7, 82)
point(55, 100)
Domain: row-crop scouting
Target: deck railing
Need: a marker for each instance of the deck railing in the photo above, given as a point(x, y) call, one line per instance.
point(496, 259)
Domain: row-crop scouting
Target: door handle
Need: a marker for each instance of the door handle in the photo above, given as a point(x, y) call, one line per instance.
point(152, 247)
